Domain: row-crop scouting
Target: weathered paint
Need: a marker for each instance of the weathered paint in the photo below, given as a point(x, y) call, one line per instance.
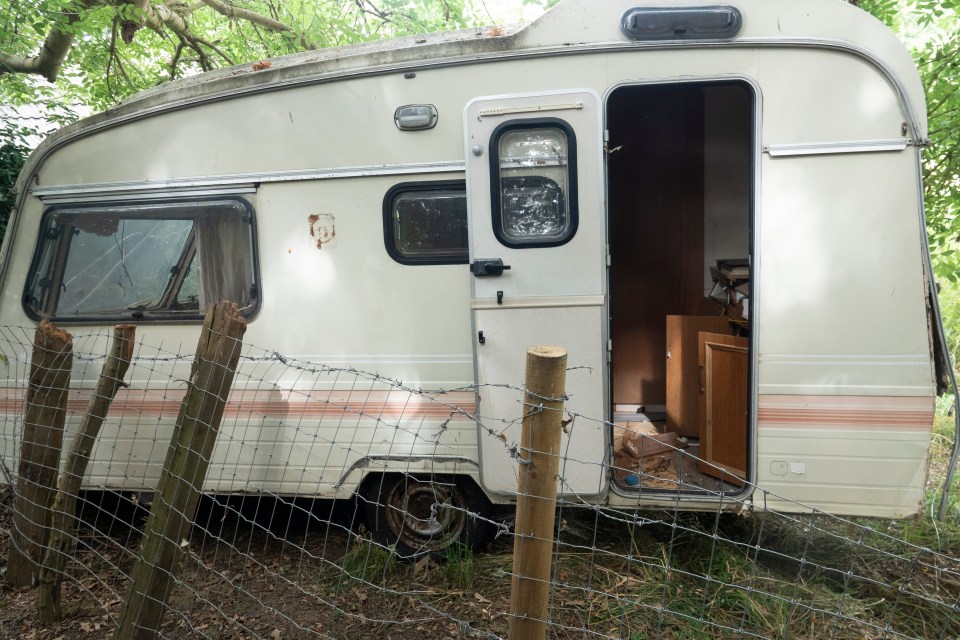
point(833, 318)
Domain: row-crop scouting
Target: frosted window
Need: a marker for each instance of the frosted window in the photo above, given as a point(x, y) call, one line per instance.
point(532, 200)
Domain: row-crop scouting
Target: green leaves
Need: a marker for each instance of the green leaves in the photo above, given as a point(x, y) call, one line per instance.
point(101, 69)
point(13, 153)
point(931, 29)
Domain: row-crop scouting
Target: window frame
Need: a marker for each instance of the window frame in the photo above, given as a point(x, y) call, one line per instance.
point(389, 237)
point(571, 194)
point(169, 294)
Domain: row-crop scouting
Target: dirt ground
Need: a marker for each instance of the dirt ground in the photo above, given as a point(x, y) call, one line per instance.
point(247, 582)
point(275, 570)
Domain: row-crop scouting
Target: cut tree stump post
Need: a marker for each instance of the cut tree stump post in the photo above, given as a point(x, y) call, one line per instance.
point(40, 450)
point(184, 471)
point(60, 544)
point(537, 492)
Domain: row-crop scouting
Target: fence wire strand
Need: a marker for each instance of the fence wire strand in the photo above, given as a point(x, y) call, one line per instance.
point(332, 496)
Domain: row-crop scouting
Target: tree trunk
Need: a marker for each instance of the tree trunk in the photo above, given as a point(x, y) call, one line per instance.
point(184, 471)
point(60, 545)
point(43, 421)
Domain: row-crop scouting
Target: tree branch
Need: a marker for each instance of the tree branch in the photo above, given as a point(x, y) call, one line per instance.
point(215, 48)
point(113, 48)
point(373, 10)
point(157, 15)
point(238, 13)
point(130, 27)
point(175, 60)
point(160, 16)
point(56, 46)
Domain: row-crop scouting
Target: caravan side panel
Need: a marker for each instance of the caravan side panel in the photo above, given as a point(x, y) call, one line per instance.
point(845, 380)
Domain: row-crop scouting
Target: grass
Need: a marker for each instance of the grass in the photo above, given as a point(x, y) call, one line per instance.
point(666, 575)
point(675, 575)
point(678, 575)
point(723, 580)
point(459, 567)
point(763, 574)
point(369, 561)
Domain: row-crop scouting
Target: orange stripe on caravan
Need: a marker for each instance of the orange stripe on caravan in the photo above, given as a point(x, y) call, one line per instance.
point(277, 404)
point(852, 412)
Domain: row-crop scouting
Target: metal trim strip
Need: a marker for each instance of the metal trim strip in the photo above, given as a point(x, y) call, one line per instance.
point(230, 183)
point(75, 196)
point(558, 302)
point(846, 359)
point(829, 148)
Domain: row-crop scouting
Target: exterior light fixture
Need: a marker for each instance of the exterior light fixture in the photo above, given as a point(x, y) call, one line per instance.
point(415, 117)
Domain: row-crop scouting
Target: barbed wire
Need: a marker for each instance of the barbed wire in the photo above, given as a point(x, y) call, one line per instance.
point(270, 554)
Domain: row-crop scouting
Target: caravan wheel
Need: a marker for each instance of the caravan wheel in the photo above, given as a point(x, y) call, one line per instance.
point(417, 517)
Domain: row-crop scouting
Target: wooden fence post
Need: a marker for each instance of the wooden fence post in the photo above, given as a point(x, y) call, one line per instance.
point(40, 450)
point(537, 492)
point(60, 543)
point(184, 471)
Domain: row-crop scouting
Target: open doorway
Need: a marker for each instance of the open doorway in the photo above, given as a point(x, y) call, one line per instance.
point(680, 204)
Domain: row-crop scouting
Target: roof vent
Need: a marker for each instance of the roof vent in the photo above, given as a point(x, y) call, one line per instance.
point(686, 23)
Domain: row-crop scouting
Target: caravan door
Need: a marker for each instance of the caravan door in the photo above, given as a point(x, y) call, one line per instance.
point(538, 265)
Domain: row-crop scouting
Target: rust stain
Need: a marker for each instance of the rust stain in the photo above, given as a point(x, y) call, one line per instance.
point(322, 228)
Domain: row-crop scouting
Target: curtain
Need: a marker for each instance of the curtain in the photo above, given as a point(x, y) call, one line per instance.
point(224, 259)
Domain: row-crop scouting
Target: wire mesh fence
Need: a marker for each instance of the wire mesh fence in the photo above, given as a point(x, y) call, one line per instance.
point(339, 503)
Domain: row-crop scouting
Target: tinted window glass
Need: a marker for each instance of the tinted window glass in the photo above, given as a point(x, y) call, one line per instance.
point(426, 223)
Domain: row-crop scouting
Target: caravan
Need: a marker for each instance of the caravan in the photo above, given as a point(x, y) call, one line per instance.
point(717, 210)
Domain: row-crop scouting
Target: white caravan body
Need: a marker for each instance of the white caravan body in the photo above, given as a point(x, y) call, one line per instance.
point(786, 133)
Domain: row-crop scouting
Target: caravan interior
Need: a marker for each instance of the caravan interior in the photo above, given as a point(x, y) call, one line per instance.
point(680, 170)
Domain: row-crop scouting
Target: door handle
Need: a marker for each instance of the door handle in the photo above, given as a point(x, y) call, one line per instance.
point(488, 267)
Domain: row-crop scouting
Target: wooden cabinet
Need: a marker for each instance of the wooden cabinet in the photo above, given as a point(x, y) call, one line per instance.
point(723, 406)
point(683, 385)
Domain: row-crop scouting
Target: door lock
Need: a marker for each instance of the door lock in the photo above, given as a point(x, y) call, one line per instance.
point(488, 267)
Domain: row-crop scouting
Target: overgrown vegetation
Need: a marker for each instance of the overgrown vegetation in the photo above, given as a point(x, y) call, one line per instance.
point(618, 575)
point(367, 560)
point(13, 154)
point(459, 566)
point(96, 52)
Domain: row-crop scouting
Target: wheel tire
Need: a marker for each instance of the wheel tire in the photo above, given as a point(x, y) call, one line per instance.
point(417, 517)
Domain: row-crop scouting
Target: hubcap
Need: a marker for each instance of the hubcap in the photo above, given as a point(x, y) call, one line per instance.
point(425, 516)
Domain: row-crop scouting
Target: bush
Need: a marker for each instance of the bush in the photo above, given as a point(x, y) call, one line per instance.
point(13, 154)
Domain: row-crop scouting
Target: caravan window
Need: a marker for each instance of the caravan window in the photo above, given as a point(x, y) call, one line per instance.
point(534, 188)
point(426, 222)
point(143, 261)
